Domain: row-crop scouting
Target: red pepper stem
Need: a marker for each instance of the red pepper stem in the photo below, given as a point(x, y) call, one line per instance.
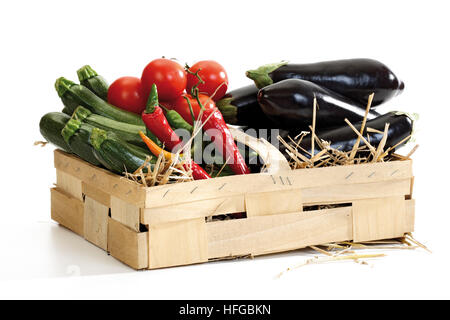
point(163, 107)
point(152, 101)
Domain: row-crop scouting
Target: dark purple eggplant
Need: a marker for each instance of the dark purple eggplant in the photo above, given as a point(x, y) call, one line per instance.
point(355, 79)
point(289, 103)
point(343, 138)
point(241, 107)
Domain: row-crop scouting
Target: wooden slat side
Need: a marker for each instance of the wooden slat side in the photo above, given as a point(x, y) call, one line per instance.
point(98, 195)
point(191, 210)
point(410, 214)
point(126, 213)
point(268, 203)
point(380, 218)
point(276, 233)
point(96, 222)
point(350, 192)
point(177, 243)
point(102, 179)
point(274, 202)
point(128, 246)
point(69, 184)
point(287, 180)
point(67, 211)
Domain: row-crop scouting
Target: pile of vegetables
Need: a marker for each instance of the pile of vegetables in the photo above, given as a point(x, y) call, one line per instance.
point(283, 95)
point(135, 122)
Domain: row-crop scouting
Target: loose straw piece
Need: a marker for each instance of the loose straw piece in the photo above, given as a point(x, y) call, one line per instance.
point(356, 145)
point(319, 260)
point(40, 143)
point(313, 131)
point(371, 148)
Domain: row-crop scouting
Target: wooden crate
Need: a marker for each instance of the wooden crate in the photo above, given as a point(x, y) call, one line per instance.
point(170, 225)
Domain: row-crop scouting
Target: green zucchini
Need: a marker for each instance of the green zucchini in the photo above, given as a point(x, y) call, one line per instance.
point(115, 154)
point(91, 80)
point(126, 131)
point(74, 95)
point(51, 125)
point(77, 135)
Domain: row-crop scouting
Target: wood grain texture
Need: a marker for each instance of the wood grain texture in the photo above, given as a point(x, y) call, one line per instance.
point(178, 243)
point(69, 184)
point(277, 233)
point(380, 218)
point(96, 222)
point(275, 202)
point(191, 210)
point(128, 246)
point(314, 179)
point(268, 203)
point(126, 213)
point(349, 192)
point(410, 215)
point(67, 210)
point(102, 179)
point(98, 195)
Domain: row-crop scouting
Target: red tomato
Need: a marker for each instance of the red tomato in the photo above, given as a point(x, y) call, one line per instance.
point(126, 93)
point(213, 74)
point(169, 77)
point(182, 107)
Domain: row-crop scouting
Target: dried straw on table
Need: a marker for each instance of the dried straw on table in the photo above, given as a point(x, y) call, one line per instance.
point(351, 251)
point(328, 156)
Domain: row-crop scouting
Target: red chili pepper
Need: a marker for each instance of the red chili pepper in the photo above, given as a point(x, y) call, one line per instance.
point(156, 122)
point(197, 172)
point(226, 144)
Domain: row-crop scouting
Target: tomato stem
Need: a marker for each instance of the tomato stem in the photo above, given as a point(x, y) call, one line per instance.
point(190, 109)
point(197, 75)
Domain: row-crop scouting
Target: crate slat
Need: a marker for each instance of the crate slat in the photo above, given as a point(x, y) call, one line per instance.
point(191, 210)
point(96, 194)
point(69, 184)
point(96, 222)
point(128, 246)
point(126, 213)
point(178, 243)
point(380, 218)
point(295, 179)
point(67, 211)
point(101, 179)
point(276, 233)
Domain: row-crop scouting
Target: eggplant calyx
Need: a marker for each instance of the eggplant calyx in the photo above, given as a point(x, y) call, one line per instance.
point(261, 75)
point(413, 117)
point(228, 111)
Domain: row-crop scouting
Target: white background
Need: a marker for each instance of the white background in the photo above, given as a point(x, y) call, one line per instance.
point(42, 40)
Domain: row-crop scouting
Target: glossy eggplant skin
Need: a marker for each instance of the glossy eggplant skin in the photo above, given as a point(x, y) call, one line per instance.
point(289, 103)
point(241, 107)
point(343, 138)
point(355, 79)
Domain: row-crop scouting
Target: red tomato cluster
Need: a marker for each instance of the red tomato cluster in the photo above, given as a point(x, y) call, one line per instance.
point(174, 83)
